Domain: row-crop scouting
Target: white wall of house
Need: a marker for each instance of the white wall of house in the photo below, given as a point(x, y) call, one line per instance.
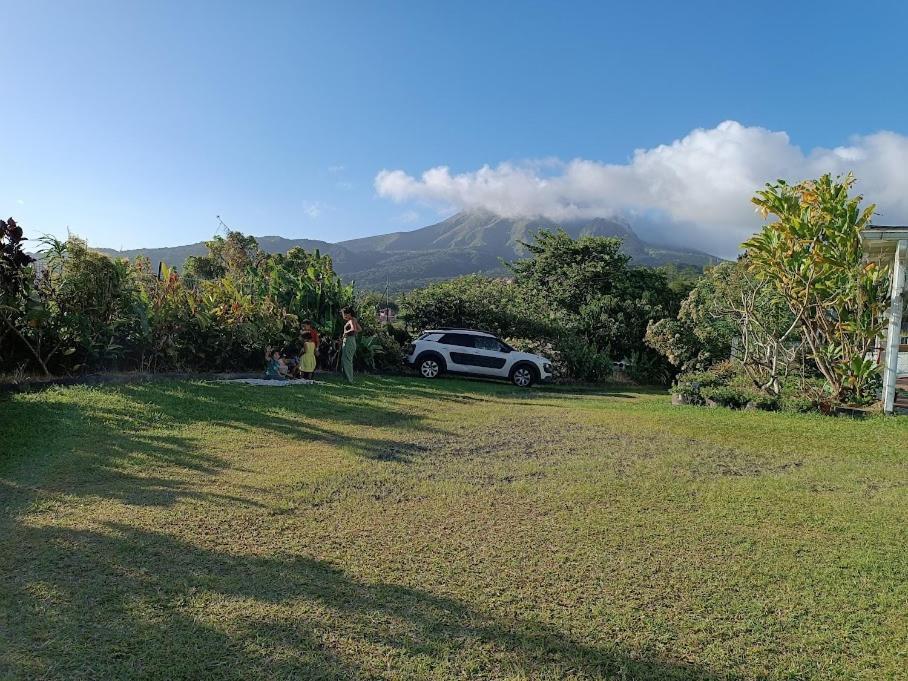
point(889, 244)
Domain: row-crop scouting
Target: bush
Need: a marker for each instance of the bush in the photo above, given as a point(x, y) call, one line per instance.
point(797, 403)
point(691, 383)
point(738, 394)
point(583, 361)
point(724, 384)
point(472, 302)
point(86, 312)
point(803, 394)
point(649, 368)
point(725, 395)
point(398, 333)
point(379, 352)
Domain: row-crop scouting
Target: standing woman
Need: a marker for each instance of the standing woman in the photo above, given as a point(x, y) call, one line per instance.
point(307, 357)
point(351, 329)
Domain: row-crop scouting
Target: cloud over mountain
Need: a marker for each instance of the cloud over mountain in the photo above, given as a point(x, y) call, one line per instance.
point(696, 189)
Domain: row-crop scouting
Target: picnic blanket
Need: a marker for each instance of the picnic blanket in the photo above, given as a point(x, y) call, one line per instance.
point(272, 383)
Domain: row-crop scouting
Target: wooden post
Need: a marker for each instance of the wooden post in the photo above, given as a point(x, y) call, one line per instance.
point(894, 329)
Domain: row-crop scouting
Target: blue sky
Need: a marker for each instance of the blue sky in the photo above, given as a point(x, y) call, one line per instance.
point(134, 124)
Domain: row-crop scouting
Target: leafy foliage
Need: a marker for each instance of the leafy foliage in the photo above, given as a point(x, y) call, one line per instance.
point(730, 312)
point(587, 287)
point(801, 298)
point(812, 256)
point(234, 254)
point(84, 311)
point(579, 299)
point(16, 284)
point(494, 305)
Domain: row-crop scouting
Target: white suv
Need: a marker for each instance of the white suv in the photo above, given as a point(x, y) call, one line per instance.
point(474, 353)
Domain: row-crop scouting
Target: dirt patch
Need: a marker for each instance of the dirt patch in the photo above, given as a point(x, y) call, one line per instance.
point(725, 462)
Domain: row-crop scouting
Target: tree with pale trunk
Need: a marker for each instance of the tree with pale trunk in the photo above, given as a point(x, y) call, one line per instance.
point(812, 256)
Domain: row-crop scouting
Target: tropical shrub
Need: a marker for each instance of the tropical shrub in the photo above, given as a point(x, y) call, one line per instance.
point(726, 384)
point(577, 299)
point(16, 301)
point(379, 345)
point(369, 352)
point(692, 383)
point(78, 310)
point(731, 313)
point(739, 393)
point(582, 360)
point(812, 257)
point(587, 288)
point(476, 302)
point(729, 396)
point(800, 398)
point(93, 307)
point(648, 367)
point(678, 342)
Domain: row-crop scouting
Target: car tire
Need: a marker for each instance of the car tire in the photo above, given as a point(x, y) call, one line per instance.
point(523, 375)
point(430, 367)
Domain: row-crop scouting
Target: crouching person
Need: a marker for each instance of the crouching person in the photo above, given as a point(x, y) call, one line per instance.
point(276, 368)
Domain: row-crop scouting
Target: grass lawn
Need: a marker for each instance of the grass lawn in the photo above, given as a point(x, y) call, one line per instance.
point(451, 530)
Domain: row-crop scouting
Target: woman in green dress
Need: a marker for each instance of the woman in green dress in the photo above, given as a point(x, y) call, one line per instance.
point(307, 357)
point(351, 329)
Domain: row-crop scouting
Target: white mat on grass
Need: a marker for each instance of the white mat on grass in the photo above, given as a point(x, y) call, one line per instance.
point(272, 383)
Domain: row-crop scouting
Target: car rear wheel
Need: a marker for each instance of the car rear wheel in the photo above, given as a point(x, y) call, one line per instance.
point(522, 377)
point(429, 368)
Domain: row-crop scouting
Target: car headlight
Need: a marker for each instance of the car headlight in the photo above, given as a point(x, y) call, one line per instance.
point(547, 367)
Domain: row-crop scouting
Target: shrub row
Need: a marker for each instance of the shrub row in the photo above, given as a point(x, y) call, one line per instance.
point(725, 385)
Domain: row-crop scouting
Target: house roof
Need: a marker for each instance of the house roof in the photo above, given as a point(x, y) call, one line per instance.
point(884, 228)
point(881, 240)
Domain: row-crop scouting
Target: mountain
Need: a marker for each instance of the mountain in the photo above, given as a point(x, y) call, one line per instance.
point(344, 259)
point(481, 229)
point(466, 243)
point(490, 233)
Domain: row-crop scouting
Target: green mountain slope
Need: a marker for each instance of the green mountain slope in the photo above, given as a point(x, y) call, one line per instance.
point(176, 256)
point(503, 237)
point(466, 243)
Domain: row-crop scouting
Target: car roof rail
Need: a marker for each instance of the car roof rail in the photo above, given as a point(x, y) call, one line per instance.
point(458, 328)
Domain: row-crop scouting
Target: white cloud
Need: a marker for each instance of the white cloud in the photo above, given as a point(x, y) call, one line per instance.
point(20, 202)
point(408, 217)
point(313, 208)
point(695, 190)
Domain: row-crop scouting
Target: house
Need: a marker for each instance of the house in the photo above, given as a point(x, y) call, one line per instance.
point(386, 315)
point(888, 244)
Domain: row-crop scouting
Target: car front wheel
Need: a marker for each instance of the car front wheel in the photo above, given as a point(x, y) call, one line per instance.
point(522, 377)
point(429, 368)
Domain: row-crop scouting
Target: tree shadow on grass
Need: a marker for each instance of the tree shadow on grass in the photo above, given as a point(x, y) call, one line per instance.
point(478, 389)
point(136, 448)
point(134, 442)
point(122, 603)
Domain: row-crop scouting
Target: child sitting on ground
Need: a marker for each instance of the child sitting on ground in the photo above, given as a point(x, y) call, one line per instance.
point(276, 368)
point(291, 358)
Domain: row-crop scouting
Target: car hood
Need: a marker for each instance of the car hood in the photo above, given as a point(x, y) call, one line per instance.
point(527, 356)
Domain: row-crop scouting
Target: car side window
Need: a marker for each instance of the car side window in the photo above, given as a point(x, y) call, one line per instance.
point(487, 343)
point(460, 339)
